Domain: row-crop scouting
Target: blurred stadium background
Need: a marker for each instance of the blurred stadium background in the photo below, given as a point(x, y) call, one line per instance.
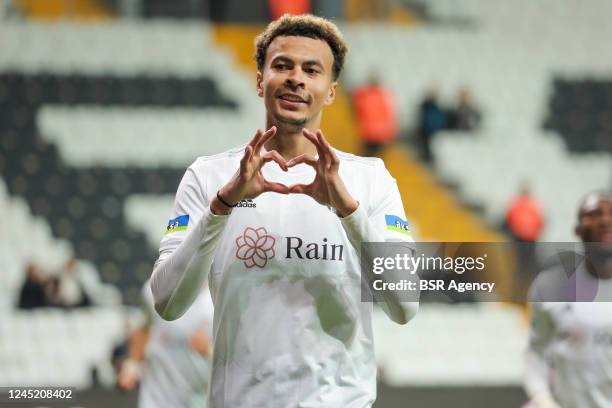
point(103, 104)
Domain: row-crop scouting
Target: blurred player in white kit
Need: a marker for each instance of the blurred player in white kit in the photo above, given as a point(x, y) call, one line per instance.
point(171, 360)
point(569, 358)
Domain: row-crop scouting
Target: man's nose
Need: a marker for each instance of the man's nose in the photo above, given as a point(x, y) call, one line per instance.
point(295, 78)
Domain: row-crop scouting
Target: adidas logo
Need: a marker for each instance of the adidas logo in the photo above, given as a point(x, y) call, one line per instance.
point(246, 204)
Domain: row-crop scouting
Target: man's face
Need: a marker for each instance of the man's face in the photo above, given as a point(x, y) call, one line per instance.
point(595, 221)
point(296, 81)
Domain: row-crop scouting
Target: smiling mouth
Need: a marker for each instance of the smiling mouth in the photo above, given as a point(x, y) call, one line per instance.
point(292, 98)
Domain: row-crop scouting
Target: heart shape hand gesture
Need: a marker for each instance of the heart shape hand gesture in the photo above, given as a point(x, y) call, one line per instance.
point(327, 187)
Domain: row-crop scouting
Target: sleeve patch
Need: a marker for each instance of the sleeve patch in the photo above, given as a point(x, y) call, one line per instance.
point(179, 223)
point(395, 223)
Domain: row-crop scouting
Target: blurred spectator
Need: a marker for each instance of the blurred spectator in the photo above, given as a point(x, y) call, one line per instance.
point(62, 290)
point(70, 291)
point(376, 115)
point(294, 7)
point(465, 116)
point(524, 222)
point(524, 218)
point(36, 289)
point(170, 359)
point(432, 118)
point(76, 284)
point(8, 9)
point(332, 9)
point(5, 5)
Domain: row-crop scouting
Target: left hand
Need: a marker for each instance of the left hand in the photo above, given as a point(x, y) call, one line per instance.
point(200, 343)
point(327, 188)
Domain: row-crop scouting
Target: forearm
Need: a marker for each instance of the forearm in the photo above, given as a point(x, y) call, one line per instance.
point(138, 344)
point(536, 376)
point(359, 229)
point(177, 279)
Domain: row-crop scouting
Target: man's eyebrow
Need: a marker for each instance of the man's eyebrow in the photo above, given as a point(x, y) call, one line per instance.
point(314, 62)
point(282, 58)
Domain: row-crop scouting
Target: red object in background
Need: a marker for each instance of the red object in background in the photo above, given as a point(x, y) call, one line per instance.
point(376, 116)
point(295, 7)
point(524, 218)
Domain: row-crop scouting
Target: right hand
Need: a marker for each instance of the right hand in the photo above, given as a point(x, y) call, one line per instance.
point(249, 182)
point(128, 376)
point(545, 402)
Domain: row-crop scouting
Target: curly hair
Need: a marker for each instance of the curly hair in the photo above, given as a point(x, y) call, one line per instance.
point(305, 25)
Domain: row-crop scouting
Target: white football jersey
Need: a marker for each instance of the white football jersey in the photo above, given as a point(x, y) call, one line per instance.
point(574, 339)
point(290, 328)
point(174, 374)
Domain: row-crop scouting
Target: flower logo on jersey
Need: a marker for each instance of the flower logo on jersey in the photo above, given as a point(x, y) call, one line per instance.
point(255, 247)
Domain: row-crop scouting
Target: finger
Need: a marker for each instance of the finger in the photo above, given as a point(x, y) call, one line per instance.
point(324, 155)
point(248, 152)
point(275, 187)
point(273, 155)
point(313, 139)
point(269, 134)
point(329, 151)
point(257, 137)
point(302, 158)
point(310, 136)
point(321, 139)
point(301, 189)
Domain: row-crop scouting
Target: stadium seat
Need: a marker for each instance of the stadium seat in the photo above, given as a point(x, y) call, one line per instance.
point(452, 345)
point(508, 76)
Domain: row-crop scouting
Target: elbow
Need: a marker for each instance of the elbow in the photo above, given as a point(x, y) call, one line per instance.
point(161, 300)
point(397, 316)
point(168, 308)
point(166, 312)
point(406, 313)
point(163, 307)
point(402, 320)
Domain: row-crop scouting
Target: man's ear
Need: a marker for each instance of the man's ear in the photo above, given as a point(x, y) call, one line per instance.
point(259, 80)
point(332, 93)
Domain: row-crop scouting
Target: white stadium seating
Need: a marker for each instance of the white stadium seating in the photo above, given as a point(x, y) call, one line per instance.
point(53, 347)
point(149, 214)
point(462, 344)
point(145, 137)
point(508, 57)
point(137, 136)
point(34, 344)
